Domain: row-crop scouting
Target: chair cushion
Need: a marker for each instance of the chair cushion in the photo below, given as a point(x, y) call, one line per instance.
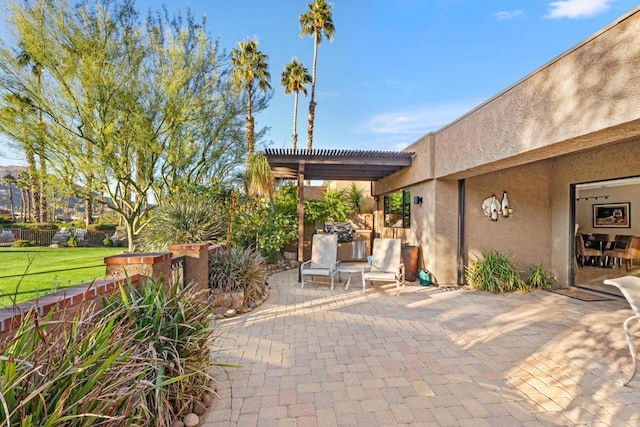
point(380, 275)
point(316, 271)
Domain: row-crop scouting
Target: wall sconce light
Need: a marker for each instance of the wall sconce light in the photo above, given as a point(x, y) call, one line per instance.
point(417, 200)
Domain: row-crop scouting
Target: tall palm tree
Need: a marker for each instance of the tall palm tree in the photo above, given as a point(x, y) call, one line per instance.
point(250, 68)
point(294, 79)
point(10, 181)
point(22, 182)
point(17, 121)
point(40, 202)
point(316, 21)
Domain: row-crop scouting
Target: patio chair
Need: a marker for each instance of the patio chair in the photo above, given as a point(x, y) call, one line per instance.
point(630, 288)
point(324, 258)
point(386, 264)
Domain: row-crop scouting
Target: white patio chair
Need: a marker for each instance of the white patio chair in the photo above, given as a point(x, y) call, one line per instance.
point(386, 265)
point(630, 288)
point(324, 258)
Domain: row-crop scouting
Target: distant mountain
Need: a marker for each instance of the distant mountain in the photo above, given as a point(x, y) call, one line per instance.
point(11, 170)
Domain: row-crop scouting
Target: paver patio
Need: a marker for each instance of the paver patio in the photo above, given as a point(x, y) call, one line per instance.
point(312, 357)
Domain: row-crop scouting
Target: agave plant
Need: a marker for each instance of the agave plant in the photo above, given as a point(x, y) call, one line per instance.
point(187, 218)
point(494, 273)
point(236, 269)
point(539, 278)
point(74, 373)
point(174, 334)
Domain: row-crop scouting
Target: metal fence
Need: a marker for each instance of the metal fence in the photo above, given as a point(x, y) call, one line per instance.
point(45, 237)
point(179, 270)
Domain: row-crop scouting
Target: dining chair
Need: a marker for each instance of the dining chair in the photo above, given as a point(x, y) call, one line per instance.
point(630, 288)
point(324, 258)
point(583, 252)
point(626, 247)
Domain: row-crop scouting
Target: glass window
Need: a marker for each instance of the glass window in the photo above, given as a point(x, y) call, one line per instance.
point(397, 209)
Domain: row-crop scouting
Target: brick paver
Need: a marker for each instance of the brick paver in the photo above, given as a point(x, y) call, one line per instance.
point(312, 357)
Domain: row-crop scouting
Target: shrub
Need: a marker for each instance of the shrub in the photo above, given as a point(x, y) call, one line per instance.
point(78, 373)
point(494, 273)
point(172, 329)
point(107, 242)
point(539, 278)
point(237, 269)
point(260, 228)
point(102, 227)
point(21, 243)
point(72, 242)
point(186, 218)
point(41, 226)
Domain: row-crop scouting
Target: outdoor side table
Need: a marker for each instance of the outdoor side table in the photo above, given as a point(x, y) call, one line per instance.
point(349, 269)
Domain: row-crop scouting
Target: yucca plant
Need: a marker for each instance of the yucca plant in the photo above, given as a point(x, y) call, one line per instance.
point(237, 269)
point(539, 278)
point(494, 273)
point(184, 218)
point(173, 332)
point(70, 373)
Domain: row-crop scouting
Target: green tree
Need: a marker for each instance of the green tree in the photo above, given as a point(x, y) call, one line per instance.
point(294, 79)
point(10, 181)
point(315, 22)
point(250, 69)
point(40, 200)
point(135, 110)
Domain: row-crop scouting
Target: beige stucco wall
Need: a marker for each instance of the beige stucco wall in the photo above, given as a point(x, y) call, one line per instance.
point(526, 235)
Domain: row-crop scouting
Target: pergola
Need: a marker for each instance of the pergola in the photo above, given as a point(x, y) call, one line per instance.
point(332, 164)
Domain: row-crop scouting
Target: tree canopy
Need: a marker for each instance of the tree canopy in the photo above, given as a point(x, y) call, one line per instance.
point(135, 109)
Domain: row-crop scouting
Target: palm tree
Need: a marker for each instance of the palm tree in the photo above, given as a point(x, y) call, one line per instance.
point(314, 22)
point(22, 182)
point(40, 202)
point(249, 67)
point(10, 181)
point(294, 79)
point(17, 121)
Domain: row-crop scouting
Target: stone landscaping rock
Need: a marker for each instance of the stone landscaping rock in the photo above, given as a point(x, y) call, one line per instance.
point(191, 420)
point(230, 313)
point(177, 423)
point(199, 408)
point(207, 399)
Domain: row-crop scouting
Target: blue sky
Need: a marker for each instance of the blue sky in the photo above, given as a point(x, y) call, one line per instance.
point(397, 69)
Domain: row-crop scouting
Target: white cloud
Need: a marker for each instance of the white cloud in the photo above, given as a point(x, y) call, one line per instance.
point(419, 121)
point(574, 9)
point(506, 14)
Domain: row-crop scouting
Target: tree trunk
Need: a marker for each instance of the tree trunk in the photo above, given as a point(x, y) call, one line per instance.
point(88, 209)
point(294, 137)
point(34, 203)
point(13, 208)
point(42, 176)
point(312, 113)
point(250, 135)
point(249, 123)
point(312, 101)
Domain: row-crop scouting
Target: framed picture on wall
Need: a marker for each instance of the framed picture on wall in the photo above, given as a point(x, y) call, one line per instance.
point(612, 215)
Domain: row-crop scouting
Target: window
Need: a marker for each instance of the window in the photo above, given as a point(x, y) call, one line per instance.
point(397, 209)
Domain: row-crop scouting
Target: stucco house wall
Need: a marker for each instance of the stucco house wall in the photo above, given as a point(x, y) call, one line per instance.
point(564, 123)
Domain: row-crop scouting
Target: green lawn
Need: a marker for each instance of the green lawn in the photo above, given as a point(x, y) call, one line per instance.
point(26, 273)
